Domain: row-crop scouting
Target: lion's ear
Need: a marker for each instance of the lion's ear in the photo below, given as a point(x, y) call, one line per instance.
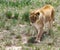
point(37, 13)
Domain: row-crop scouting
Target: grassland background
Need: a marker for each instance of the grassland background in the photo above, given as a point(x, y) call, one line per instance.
point(14, 21)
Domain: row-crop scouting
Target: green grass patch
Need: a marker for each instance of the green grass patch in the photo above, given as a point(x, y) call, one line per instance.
point(2, 24)
point(8, 14)
point(16, 15)
point(58, 27)
point(25, 16)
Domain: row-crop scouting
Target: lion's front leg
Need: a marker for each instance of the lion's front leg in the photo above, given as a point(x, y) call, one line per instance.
point(39, 35)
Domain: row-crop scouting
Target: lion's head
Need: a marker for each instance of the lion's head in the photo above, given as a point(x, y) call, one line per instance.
point(34, 16)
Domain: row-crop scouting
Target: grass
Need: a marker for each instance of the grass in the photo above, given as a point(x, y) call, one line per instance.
point(8, 14)
point(14, 13)
point(25, 16)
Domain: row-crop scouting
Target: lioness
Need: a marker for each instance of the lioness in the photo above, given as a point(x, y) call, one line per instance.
point(40, 17)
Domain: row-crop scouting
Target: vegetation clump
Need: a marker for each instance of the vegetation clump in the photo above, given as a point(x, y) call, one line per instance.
point(8, 14)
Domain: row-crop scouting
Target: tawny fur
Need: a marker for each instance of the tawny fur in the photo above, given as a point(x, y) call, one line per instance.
point(40, 17)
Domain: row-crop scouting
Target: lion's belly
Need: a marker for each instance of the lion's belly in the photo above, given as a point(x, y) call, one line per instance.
point(38, 26)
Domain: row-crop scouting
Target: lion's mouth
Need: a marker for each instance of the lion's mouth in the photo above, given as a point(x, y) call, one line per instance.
point(33, 20)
